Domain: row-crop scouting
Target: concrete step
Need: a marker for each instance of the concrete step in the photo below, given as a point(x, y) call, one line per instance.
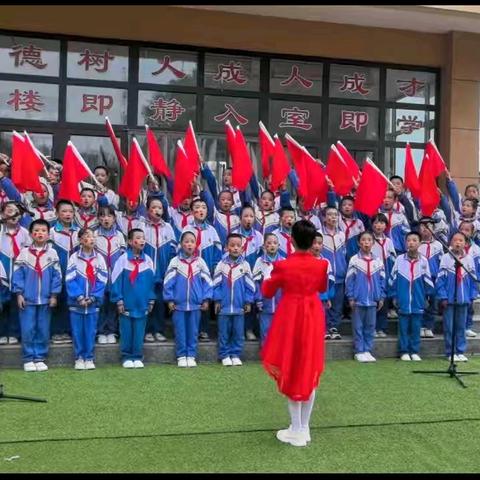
point(160, 353)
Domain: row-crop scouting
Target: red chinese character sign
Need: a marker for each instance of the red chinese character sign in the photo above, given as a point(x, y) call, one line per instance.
point(299, 119)
point(408, 86)
point(355, 84)
point(352, 122)
point(29, 101)
point(166, 110)
point(30, 54)
point(92, 104)
point(230, 113)
point(232, 73)
point(408, 125)
point(350, 81)
point(241, 112)
point(355, 120)
point(168, 67)
point(300, 78)
point(98, 61)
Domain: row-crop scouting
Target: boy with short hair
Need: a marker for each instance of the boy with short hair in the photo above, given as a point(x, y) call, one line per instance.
point(325, 297)
point(86, 213)
point(36, 281)
point(351, 225)
point(284, 232)
point(397, 226)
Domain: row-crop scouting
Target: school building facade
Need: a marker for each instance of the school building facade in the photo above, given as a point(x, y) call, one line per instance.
point(373, 77)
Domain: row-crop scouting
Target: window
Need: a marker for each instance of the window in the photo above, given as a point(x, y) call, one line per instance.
point(299, 78)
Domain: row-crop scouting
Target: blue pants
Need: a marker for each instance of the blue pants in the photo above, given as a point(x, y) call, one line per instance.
point(428, 320)
point(382, 319)
point(10, 325)
point(363, 320)
point(107, 320)
point(461, 321)
point(469, 316)
point(156, 319)
point(132, 332)
point(265, 322)
point(61, 318)
point(186, 326)
point(84, 329)
point(35, 328)
point(409, 332)
point(231, 335)
point(334, 314)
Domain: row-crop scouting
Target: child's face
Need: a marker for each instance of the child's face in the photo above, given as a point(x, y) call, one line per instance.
point(347, 208)
point(331, 217)
point(185, 205)
point(225, 200)
point(397, 185)
point(88, 240)
point(466, 229)
point(389, 200)
point(9, 212)
point(471, 192)
point(234, 247)
point(287, 220)
point(468, 209)
point(457, 243)
point(155, 210)
point(266, 202)
point(317, 246)
point(379, 227)
point(248, 219)
point(87, 199)
point(271, 245)
point(152, 186)
point(54, 174)
point(138, 241)
point(40, 234)
point(188, 244)
point(199, 211)
point(227, 178)
point(413, 242)
point(101, 175)
point(65, 213)
point(41, 198)
point(366, 243)
point(107, 220)
point(425, 233)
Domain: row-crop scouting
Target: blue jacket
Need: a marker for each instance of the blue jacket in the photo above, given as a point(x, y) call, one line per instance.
point(179, 220)
point(330, 293)
point(399, 227)
point(335, 251)
point(7, 257)
point(433, 252)
point(233, 285)
point(134, 221)
point(261, 271)
point(365, 280)
point(410, 282)
point(284, 241)
point(78, 285)
point(352, 227)
point(65, 243)
point(136, 295)
point(252, 245)
point(383, 248)
point(37, 289)
point(187, 292)
point(110, 245)
point(209, 248)
point(266, 222)
point(4, 293)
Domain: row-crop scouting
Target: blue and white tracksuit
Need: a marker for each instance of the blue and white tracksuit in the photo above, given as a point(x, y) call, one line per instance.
point(187, 284)
point(311, 217)
point(179, 220)
point(397, 228)
point(410, 283)
point(110, 245)
point(474, 250)
point(466, 292)
point(365, 284)
point(128, 222)
point(46, 212)
point(36, 276)
point(285, 245)
point(266, 306)
point(86, 218)
point(80, 287)
point(233, 288)
point(352, 227)
point(266, 222)
point(136, 294)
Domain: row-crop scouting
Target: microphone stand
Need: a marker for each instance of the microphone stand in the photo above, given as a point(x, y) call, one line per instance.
point(452, 368)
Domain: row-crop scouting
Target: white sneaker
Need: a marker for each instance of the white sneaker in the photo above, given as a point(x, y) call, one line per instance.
point(250, 336)
point(405, 357)
point(29, 367)
point(227, 362)
point(369, 357)
point(160, 338)
point(41, 367)
point(470, 333)
point(149, 338)
point(415, 357)
point(4, 341)
point(297, 439)
point(392, 314)
point(381, 334)
point(429, 333)
point(236, 362)
point(422, 332)
point(182, 362)
point(79, 364)
point(12, 340)
point(111, 338)
point(462, 358)
point(66, 338)
point(128, 364)
point(57, 339)
point(306, 432)
point(89, 365)
point(138, 364)
point(360, 357)
point(191, 362)
point(102, 339)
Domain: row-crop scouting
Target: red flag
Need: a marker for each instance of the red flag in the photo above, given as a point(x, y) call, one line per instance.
point(371, 189)
point(135, 173)
point(121, 159)
point(184, 176)
point(191, 148)
point(339, 172)
point(74, 171)
point(349, 160)
point(436, 161)
point(242, 169)
point(280, 166)
point(267, 148)
point(317, 182)
point(410, 175)
point(297, 155)
point(155, 155)
point(18, 155)
point(33, 166)
point(230, 133)
point(429, 195)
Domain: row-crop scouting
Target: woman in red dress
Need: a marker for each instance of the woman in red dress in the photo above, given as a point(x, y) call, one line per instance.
point(293, 353)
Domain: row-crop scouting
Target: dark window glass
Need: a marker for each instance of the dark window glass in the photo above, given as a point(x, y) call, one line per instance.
point(300, 78)
point(355, 82)
point(352, 122)
point(407, 86)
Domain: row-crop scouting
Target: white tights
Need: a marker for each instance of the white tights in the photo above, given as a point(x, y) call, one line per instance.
point(300, 413)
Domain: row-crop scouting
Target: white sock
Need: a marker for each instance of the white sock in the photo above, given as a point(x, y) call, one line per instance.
point(306, 410)
point(295, 410)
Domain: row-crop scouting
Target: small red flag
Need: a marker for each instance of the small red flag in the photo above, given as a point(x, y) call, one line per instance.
point(242, 169)
point(118, 152)
point(134, 174)
point(349, 160)
point(267, 149)
point(339, 173)
point(436, 161)
point(26, 164)
point(184, 176)
point(191, 148)
point(371, 189)
point(410, 175)
point(155, 155)
point(280, 166)
point(429, 195)
point(317, 182)
point(18, 155)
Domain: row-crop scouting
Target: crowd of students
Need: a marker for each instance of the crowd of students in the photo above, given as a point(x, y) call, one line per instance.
point(108, 268)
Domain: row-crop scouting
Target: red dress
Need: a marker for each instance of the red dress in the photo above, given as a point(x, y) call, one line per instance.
point(293, 353)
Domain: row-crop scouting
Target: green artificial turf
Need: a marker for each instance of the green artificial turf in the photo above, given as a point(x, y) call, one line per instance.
point(367, 418)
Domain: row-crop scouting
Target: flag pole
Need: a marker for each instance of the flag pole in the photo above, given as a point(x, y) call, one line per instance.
point(87, 168)
point(145, 162)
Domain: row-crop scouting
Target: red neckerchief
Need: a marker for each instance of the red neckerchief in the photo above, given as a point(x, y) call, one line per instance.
point(69, 234)
point(87, 219)
point(199, 240)
point(369, 272)
point(349, 227)
point(382, 244)
point(136, 262)
point(38, 255)
point(230, 273)
point(90, 271)
point(288, 238)
point(190, 267)
point(16, 248)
